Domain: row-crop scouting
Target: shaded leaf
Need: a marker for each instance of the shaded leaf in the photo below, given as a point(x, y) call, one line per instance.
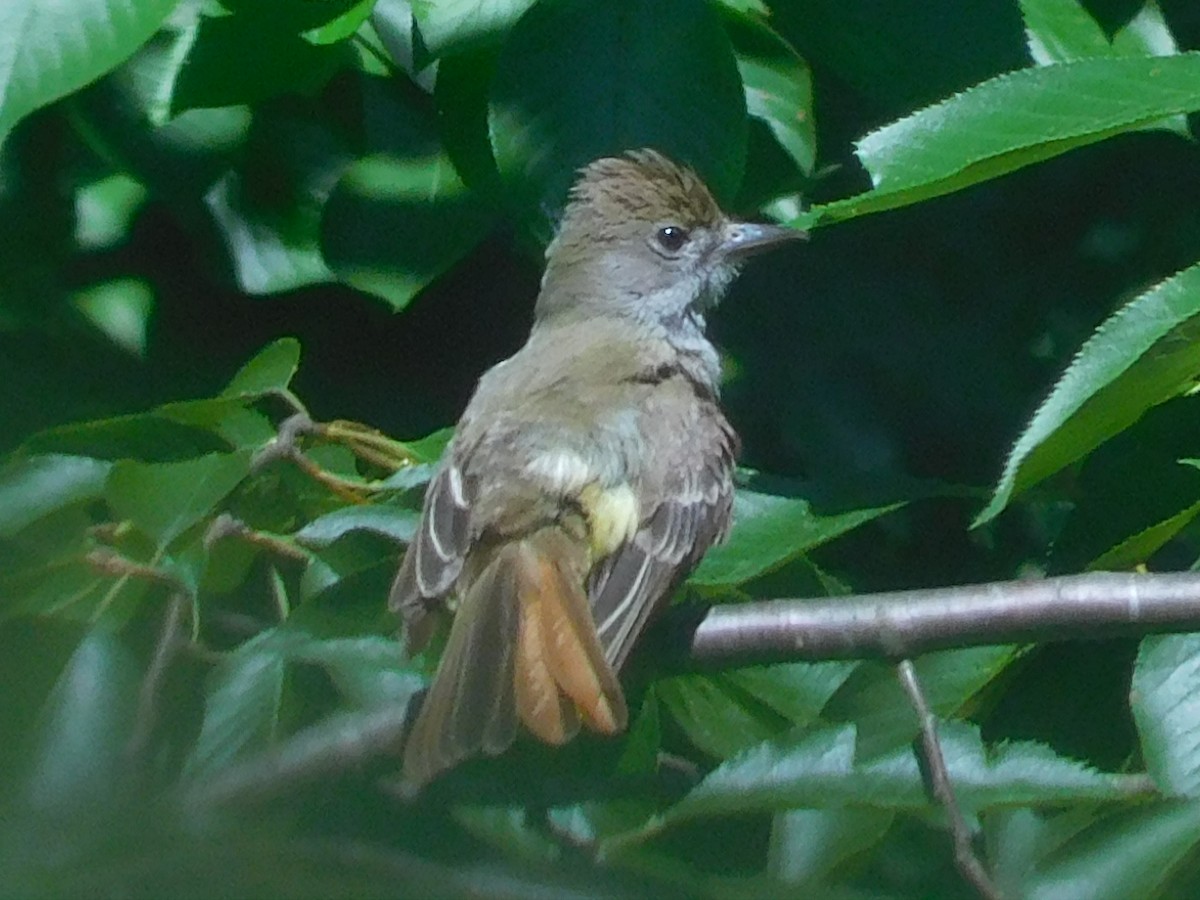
point(818, 770)
point(769, 531)
point(243, 705)
point(873, 700)
point(450, 26)
point(83, 727)
point(713, 716)
point(1147, 352)
point(34, 487)
point(394, 224)
point(393, 522)
point(807, 844)
point(544, 126)
point(1165, 699)
point(1128, 854)
point(165, 499)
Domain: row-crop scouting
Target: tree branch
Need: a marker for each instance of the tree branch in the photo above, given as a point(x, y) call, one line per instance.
point(905, 624)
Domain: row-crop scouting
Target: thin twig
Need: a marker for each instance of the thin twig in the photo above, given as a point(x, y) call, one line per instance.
point(165, 650)
point(965, 858)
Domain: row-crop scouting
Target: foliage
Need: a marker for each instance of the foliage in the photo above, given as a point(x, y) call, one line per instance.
point(192, 591)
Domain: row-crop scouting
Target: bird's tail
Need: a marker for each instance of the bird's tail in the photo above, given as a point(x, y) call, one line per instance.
point(523, 646)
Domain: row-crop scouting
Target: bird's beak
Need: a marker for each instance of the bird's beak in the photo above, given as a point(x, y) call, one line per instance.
point(744, 239)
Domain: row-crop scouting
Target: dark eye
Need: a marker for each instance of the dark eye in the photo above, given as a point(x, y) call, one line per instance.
point(671, 238)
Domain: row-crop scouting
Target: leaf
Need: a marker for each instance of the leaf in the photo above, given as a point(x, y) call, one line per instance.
point(807, 844)
point(243, 705)
point(51, 50)
point(83, 727)
point(818, 770)
point(1165, 699)
point(1061, 31)
point(769, 531)
point(270, 370)
point(712, 715)
point(394, 224)
point(1128, 854)
point(797, 691)
point(369, 671)
point(394, 522)
point(342, 27)
point(36, 486)
point(451, 26)
point(778, 87)
point(165, 499)
point(246, 59)
point(544, 126)
point(1013, 121)
point(1144, 354)
point(873, 700)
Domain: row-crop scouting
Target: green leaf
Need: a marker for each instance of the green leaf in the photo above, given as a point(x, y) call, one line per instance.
point(778, 87)
point(1163, 696)
point(769, 531)
point(165, 499)
point(1129, 854)
point(242, 710)
point(1146, 353)
point(873, 700)
point(1013, 121)
point(544, 126)
point(51, 50)
point(807, 844)
point(270, 370)
point(36, 486)
point(120, 309)
point(713, 715)
point(451, 26)
point(83, 727)
point(819, 770)
point(797, 691)
point(394, 224)
point(246, 59)
point(394, 522)
point(369, 672)
point(342, 27)
point(1062, 31)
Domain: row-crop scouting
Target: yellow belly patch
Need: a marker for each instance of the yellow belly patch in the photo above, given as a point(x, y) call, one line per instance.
point(612, 516)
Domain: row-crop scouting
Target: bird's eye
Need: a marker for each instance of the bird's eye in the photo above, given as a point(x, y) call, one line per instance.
point(671, 238)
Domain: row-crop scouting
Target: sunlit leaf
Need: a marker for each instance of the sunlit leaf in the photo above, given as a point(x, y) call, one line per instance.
point(271, 370)
point(1013, 121)
point(84, 39)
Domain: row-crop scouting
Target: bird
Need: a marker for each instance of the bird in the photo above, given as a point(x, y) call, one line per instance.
point(587, 476)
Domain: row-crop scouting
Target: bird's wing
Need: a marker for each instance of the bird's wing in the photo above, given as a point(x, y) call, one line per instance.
point(436, 553)
point(692, 514)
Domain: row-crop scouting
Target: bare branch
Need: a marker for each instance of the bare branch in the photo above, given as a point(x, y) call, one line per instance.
point(968, 863)
point(906, 624)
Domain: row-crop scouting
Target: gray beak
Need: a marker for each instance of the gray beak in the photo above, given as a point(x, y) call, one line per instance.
point(744, 239)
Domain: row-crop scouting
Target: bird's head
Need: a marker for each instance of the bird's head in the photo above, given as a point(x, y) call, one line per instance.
point(642, 237)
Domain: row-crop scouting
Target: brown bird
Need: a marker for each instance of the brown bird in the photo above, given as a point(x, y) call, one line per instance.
point(588, 475)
